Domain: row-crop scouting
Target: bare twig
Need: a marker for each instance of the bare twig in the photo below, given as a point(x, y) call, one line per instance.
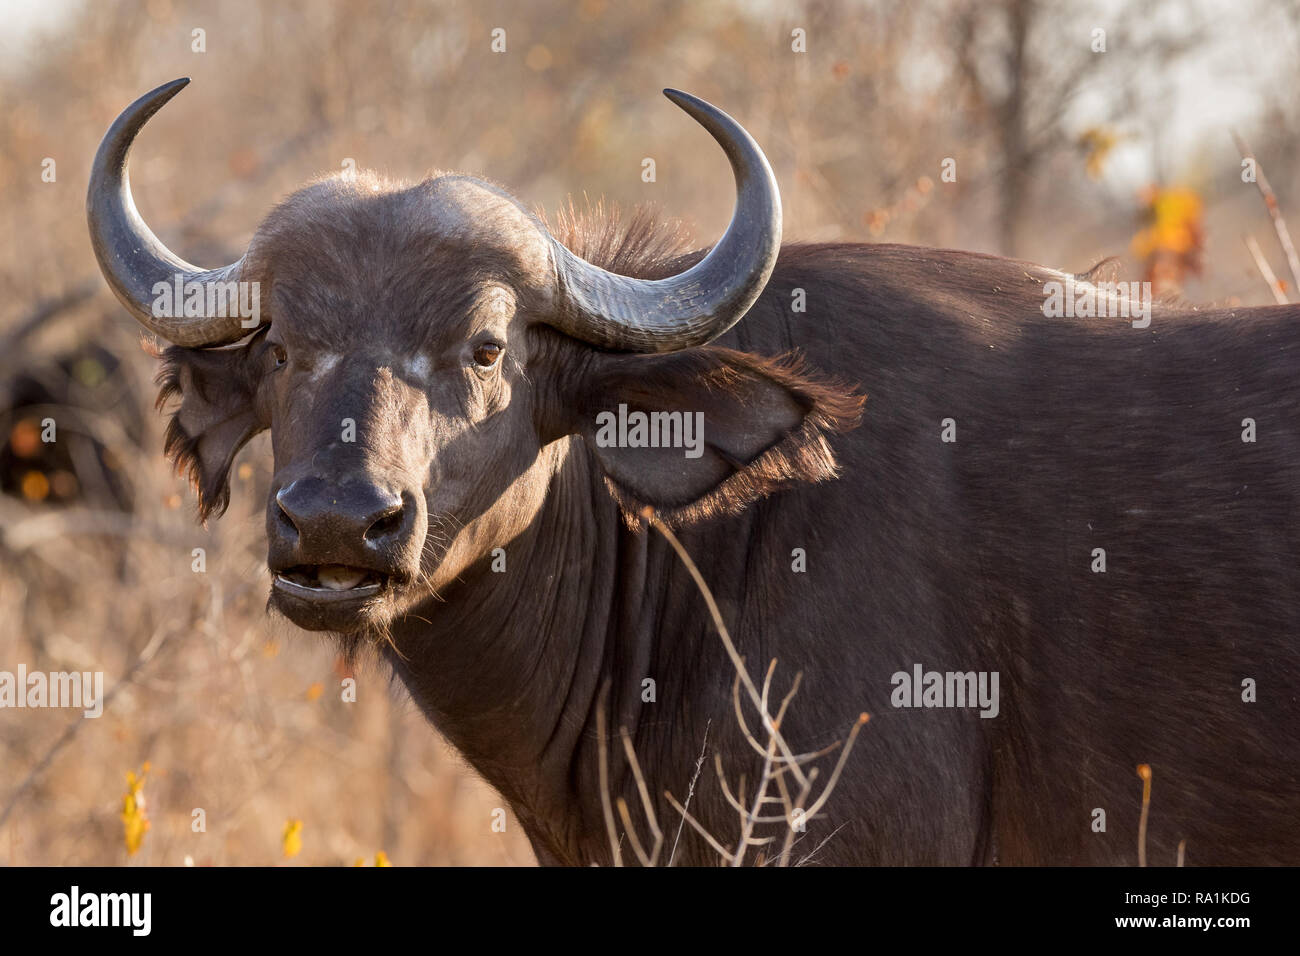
point(698, 827)
point(1274, 209)
point(644, 792)
point(736, 660)
point(764, 779)
point(826, 839)
point(1265, 270)
point(735, 801)
point(839, 766)
point(1144, 771)
point(790, 830)
point(602, 750)
point(699, 762)
point(778, 758)
point(630, 830)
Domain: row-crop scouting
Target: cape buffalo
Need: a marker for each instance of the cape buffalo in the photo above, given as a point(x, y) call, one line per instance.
point(1090, 522)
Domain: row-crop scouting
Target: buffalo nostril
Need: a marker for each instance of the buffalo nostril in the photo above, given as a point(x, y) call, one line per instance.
point(386, 524)
point(284, 514)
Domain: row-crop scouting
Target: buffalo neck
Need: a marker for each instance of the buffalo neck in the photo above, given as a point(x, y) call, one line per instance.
point(510, 665)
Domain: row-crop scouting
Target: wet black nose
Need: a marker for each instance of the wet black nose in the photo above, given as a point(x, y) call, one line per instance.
point(329, 517)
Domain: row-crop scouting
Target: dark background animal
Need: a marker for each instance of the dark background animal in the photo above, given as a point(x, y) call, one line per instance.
point(472, 353)
point(84, 389)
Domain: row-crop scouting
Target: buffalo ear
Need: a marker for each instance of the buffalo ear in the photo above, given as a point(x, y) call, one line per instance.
point(764, 426)
point(216, 416)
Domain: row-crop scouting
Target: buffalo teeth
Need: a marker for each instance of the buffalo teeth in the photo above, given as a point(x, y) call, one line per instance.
point(336, 577)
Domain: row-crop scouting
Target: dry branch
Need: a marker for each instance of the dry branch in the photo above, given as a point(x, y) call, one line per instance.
point(1274, 209)
point(778, 757)
point(1265, 270)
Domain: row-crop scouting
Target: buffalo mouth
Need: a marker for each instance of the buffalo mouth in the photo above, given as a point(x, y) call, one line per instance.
point(331, 583)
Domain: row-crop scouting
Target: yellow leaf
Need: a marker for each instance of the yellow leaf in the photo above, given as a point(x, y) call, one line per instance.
point(135, 817)
point(1097, 144)
point(1172, 238)
point(292, 838)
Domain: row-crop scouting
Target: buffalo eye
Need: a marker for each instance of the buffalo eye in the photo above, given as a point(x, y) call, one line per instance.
point(487, 354)
point(278, 352)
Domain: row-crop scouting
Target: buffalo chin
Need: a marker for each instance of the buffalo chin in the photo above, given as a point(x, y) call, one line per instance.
point(346, 611)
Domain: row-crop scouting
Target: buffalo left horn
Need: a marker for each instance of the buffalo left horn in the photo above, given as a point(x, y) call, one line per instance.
point(131, 257)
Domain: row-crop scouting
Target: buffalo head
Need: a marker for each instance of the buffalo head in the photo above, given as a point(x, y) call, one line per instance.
point(420, 351)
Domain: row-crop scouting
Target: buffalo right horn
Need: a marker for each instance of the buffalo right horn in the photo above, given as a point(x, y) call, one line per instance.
point(696, 306)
